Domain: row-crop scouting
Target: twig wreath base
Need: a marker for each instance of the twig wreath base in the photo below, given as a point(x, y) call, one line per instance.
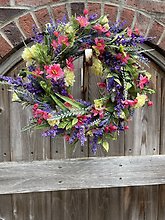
point(47, 80)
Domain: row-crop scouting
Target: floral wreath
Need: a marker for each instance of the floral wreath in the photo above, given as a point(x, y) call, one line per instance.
point(47, 80)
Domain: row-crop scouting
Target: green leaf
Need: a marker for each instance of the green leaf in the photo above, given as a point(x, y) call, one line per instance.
point(74, 121)
point(69, 125)
point(62, 124)
point(28, 127)
point(44, 85)
point(105, 145)
point(41, 126)
point(59, 103)
point(128, 86)
point(71, 101)
point(118, 81)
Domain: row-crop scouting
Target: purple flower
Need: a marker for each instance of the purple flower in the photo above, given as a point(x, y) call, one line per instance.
point(93, 17)
point(73, 137)
point(53, 132)
point(38, 37)
point(98, 133)
point(81, 135)
point(11, 81)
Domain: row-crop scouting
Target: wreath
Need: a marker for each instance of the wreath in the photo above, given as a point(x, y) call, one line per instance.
point(46, 82)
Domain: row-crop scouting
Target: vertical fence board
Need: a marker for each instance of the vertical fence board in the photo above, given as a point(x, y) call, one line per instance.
point(5, 200)
point(105, 203)
point(40, 206)
point(6, 211)
point(143, 138)
point(4, 124)
point(161, 195)
point(70, 205)
point(29, 145)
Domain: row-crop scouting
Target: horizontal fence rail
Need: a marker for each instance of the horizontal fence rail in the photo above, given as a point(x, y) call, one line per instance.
point(55, 175)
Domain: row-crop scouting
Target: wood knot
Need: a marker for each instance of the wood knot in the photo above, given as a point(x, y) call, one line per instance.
point(1, 110)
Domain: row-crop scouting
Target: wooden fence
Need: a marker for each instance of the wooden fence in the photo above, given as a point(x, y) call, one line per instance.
point(117, 199)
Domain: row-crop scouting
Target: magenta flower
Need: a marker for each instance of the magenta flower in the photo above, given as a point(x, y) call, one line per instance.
point(54, 72)
point(70, 64)
point(122, 58)
point(130, 103)
point(110, 128)
point(56, 33)
point(101, 85)
point(143, 81)
point(129, 32)
point(85, 12)
point(82, 21)
point(54, 44)
point(150, 103)
point(99, 28)
point(100, 45)
point(37, 72)
point(63, 40)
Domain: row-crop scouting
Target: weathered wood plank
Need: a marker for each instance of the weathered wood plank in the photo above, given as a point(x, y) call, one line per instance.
point(37, 176)
point(6, 211)
point(4, 124)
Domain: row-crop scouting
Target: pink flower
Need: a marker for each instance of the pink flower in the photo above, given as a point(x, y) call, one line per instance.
point(137, 31)
point(129, 32)
point(70, 64)
point(130, 103)
point(99, 28)
point(56, 33)
point(39, 114)
point(54, 44)
point(110, 128)
point(101, 85)
point(63, 40)
point(143, 81)
point(54, 72)
point(108, 34)
point(67, 137)
point(81, 119)
point(38, 72)
point(126, 127)
point(150, 103)
point(82, 21)
point(86, 11)
point(99, 112)
point(122, 58)
point(100, 45)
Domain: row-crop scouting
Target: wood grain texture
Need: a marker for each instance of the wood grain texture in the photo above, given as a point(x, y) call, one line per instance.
point(104, 203)
point(6, 211)
point(55, 175)
point(70, 204)
point(4, 124)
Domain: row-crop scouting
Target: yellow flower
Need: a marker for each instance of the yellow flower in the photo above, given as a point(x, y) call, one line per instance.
point(15, 98)
point(148, 75)
point(53, 122)
point(69, 77)
point(69, 29)
point(106, 26)
point(97, 67)
point(29, 53)
point(141, 101)
point(104, 20)
point(98, 103)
